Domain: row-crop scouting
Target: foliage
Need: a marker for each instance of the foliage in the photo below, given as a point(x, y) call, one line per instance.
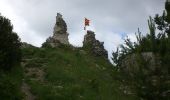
point(149, 81)
point(10, 84)
point(10, 53)
point(72, 74)
point(10, 56)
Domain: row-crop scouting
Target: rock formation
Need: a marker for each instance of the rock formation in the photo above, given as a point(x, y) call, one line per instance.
point(95, 46)
point(131, 63)
point(60, 35)
point(26, 45)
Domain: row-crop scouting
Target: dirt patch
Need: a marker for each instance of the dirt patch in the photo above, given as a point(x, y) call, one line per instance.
point(26, 90)
point(32, 73)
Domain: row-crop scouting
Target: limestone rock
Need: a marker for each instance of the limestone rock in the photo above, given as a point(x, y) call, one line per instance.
point(96, 46)
point(60, 35)
point(131, 63)
point(60, 26)
point(89, 38)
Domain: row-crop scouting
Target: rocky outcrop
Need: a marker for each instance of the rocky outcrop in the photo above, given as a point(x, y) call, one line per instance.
point(95, 46)
point(60, 35)
point(132, 62)
point(26, 45)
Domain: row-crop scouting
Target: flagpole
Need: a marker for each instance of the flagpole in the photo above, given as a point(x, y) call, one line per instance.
point(85, 24)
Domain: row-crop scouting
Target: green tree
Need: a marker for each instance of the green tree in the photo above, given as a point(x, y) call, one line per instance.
point(10, 53)
point(145, 82)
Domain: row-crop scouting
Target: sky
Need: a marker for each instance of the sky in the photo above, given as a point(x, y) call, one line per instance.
point(111, 20)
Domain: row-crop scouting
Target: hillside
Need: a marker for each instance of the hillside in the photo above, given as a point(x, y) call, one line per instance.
point(65, 73)
point(60, 71)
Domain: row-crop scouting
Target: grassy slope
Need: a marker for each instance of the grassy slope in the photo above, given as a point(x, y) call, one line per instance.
point(72, 75)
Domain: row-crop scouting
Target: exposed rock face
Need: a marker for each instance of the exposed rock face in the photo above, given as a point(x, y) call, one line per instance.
point(89, 38)
point(60, 35)
point(131, 63)
point(26, 45)
point(96, 46)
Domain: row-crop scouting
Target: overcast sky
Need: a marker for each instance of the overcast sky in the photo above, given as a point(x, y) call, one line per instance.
point(111, 20)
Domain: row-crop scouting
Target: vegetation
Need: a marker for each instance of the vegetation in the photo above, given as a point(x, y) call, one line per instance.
point(64, 73)
point(150, 81)
point(10, 84)
point(10, 53)
point(71, 74)
point(10, 56)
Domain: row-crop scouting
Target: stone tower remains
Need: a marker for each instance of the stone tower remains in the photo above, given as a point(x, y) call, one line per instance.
point(96, 47)
point(60, 35)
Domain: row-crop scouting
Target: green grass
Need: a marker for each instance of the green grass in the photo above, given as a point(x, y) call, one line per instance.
point(73, 75)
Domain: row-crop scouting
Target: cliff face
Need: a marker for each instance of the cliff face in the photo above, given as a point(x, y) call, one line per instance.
point(96, 46)
point(60, 35)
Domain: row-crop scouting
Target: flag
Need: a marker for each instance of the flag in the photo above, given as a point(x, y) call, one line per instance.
point(87, 21)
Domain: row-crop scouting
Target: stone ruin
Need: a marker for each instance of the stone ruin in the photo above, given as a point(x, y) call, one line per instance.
point(96, 46)
point(60, 35)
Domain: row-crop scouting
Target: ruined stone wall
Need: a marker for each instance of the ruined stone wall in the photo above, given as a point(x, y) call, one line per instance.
point(96, 46)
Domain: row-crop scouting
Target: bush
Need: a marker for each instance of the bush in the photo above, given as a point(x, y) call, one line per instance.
point(9, 89)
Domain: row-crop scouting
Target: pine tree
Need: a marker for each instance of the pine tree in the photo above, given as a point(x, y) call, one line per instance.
point(149, 83)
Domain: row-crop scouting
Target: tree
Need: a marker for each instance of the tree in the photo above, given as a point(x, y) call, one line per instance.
point(148, 81)
point(10, 53)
